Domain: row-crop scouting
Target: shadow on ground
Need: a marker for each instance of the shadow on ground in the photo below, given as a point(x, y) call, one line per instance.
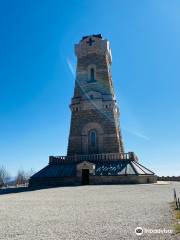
point(20, 189)
point(30, 189)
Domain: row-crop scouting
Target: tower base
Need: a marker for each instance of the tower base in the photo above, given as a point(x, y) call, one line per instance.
point(92, 170)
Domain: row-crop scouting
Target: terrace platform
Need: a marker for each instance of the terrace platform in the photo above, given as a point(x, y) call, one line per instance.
point(108, 168)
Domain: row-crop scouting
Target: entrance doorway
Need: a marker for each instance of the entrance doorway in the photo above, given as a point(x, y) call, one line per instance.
point(85, 176)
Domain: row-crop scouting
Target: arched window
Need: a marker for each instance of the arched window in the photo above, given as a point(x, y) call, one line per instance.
point(92, 74)
point(93, 138)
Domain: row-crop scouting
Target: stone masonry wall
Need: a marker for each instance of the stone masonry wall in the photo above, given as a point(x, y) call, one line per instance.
point(94, 101)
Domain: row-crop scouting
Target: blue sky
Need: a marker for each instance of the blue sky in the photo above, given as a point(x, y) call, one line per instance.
point(36, 82)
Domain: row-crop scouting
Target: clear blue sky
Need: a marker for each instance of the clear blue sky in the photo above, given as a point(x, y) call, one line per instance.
point(36, 82)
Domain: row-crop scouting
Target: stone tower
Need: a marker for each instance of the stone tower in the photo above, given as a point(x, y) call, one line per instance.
point(95, 115)
point(95, 150)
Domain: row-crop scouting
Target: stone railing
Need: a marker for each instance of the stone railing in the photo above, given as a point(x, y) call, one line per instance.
point(93, 157)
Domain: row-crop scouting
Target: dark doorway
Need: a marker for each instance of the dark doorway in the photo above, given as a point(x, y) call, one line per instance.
point(85, 176)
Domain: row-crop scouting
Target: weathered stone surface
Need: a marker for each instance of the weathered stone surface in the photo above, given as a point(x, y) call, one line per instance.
point(93, 180)
point(94, 101)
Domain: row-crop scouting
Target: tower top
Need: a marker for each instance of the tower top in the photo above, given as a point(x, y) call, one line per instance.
point(94, 35)
point(93, 44)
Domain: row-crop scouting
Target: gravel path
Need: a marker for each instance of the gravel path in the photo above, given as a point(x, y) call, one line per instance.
point(87, 212)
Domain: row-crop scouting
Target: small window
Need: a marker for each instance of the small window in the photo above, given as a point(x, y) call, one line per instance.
point(92, 74)
point(92, 136)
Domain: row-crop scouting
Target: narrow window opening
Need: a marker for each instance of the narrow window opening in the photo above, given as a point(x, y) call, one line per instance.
point(93, 138)
point(92, 73)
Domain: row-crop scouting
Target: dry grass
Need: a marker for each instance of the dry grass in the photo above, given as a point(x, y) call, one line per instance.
point(177, 217)
point(178, 214)
point(177, 227)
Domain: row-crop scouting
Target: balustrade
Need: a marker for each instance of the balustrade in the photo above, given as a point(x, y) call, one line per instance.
point(93, 157)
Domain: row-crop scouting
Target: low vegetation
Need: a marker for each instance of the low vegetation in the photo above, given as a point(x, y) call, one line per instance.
point(21, 179)
point(177, 226)
point(4, 176)
point(176, 210)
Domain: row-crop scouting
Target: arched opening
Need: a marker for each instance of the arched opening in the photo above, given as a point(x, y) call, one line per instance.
point(92, 74)
point(93, 138)
point(92, 143)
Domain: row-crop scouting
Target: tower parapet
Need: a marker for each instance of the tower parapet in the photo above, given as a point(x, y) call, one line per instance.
point(93, 44)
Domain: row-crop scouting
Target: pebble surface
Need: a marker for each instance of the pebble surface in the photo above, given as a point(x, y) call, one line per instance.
point(88, 212)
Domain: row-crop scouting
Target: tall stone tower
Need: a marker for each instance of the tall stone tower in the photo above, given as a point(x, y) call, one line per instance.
point(95, 150)
point(95, 115)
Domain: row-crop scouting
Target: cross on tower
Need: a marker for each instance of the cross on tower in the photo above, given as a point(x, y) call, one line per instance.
point(90, 41)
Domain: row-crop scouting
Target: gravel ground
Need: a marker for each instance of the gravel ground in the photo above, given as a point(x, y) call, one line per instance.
point(88, 212)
